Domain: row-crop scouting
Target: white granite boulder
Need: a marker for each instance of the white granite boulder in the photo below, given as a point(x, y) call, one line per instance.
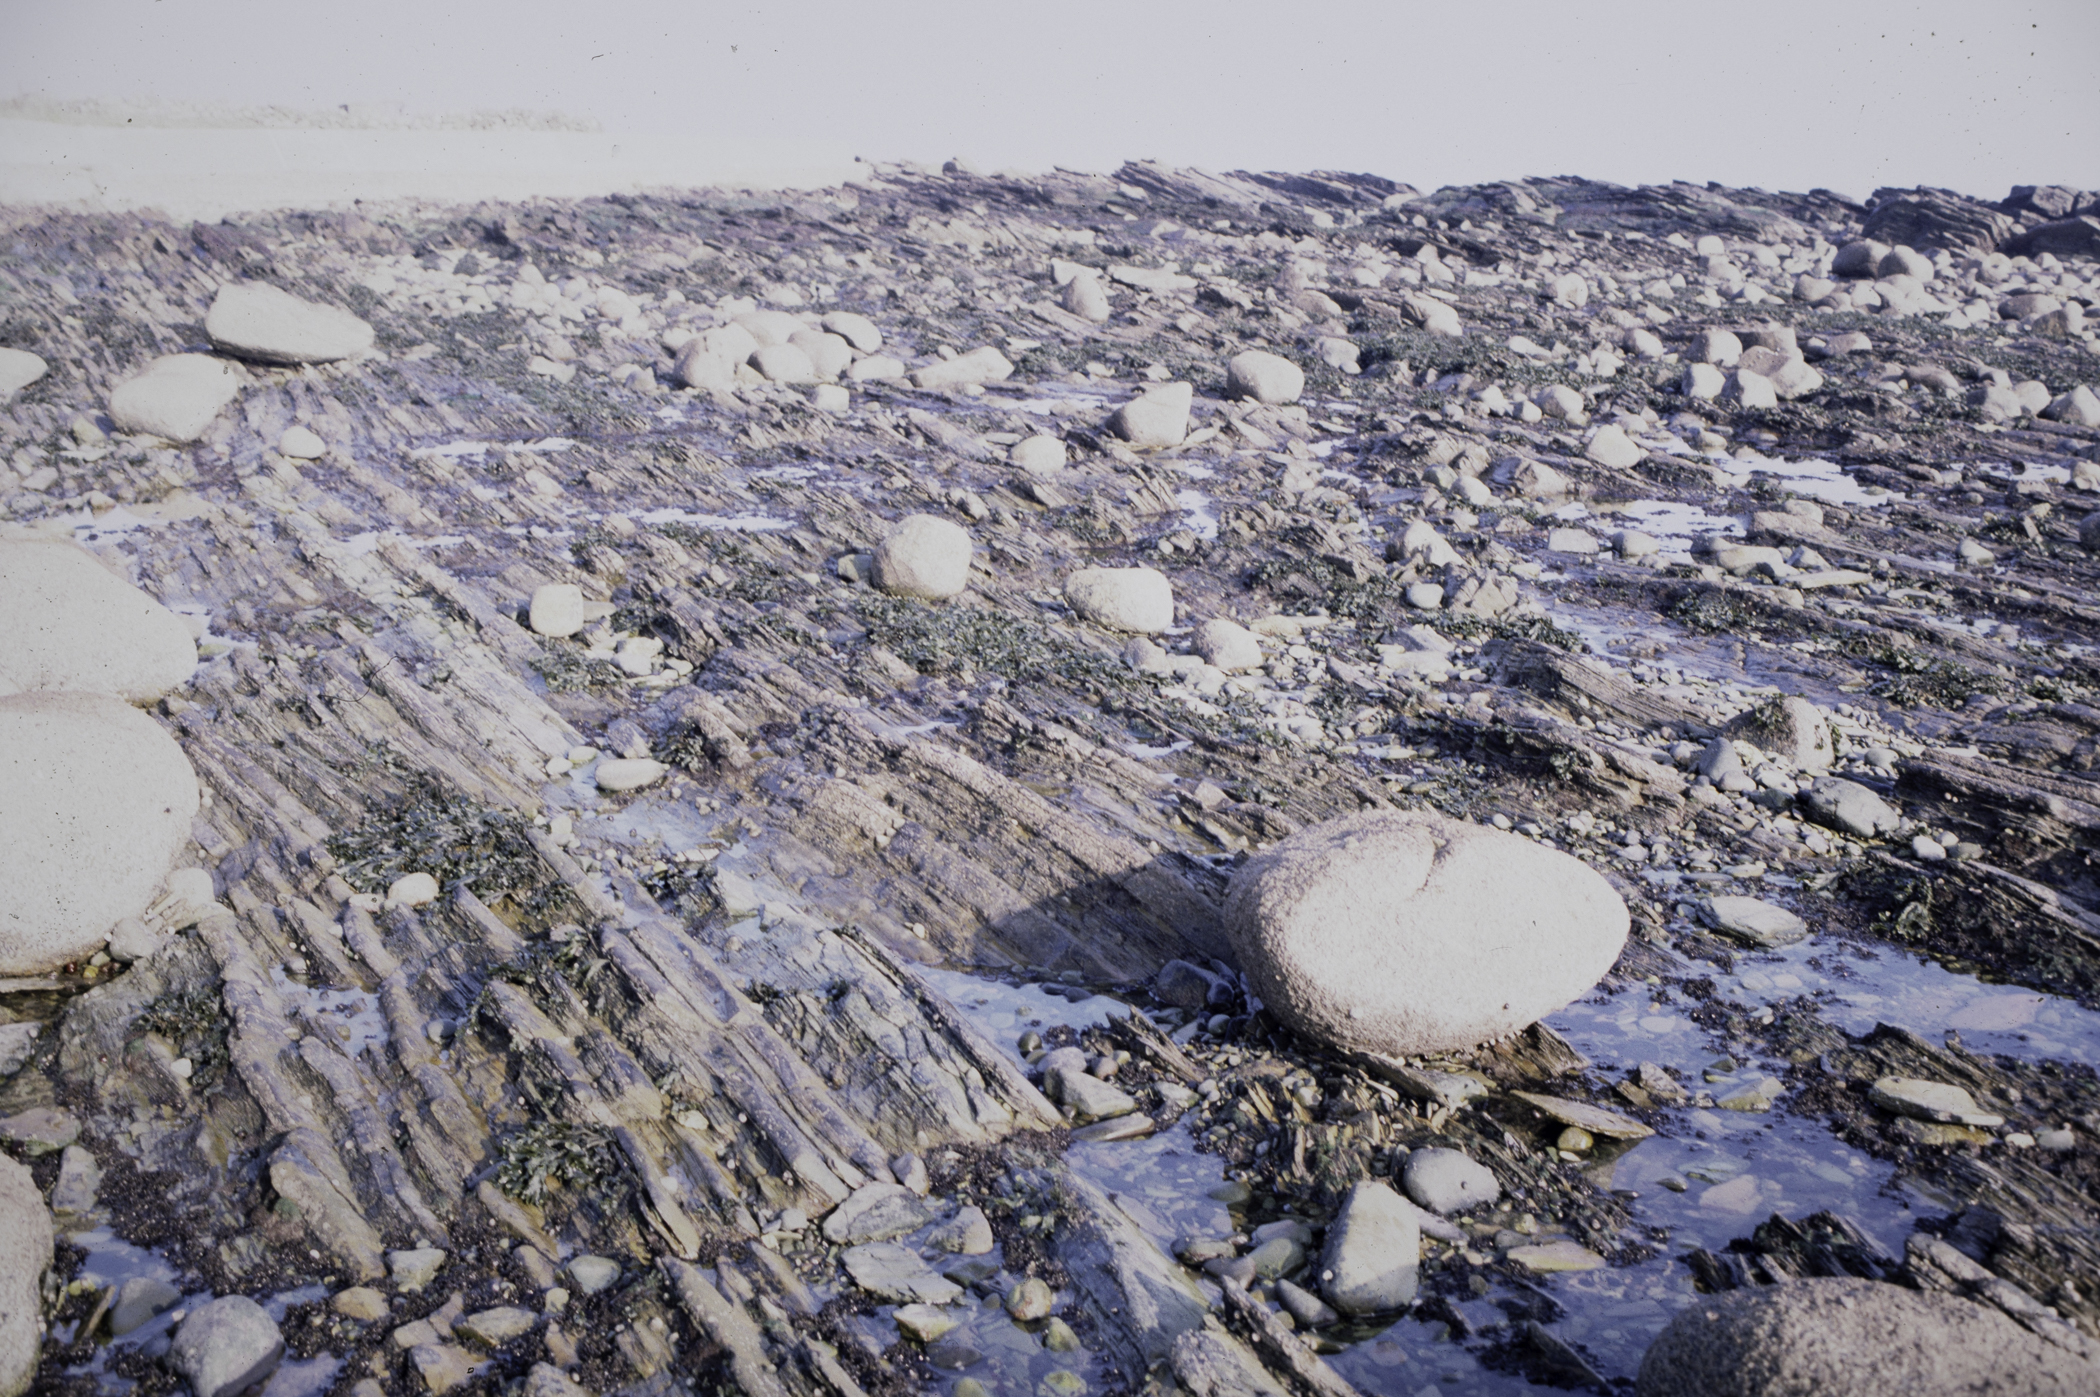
point(95, 803)
point(25, 1251)
point(301, 444)
point(1403, 933)
point(984, 364)
point(176, 397)
point(1610, 446)
point(1087, 298)
point(558, 609)
point(1157, 417)
point(1228, 645)
point(829, 354)
point(226, 1346)
point(1449, 1181)
point(784, 363)
point(924, 556)
point(67, 622)
point(1123, 599)
point(856, 330)
point(1264, 377)
point(18, 369)
point(709, 359)
point(1041, 454)
point(1373, 1256)
point(256, 320)
point(1754, 921)
point(768, 327)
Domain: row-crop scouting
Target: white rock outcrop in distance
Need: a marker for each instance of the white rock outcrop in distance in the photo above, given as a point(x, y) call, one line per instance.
point(18, 369)
point(256, 320)
point(1264, 377)
point(1157, 417)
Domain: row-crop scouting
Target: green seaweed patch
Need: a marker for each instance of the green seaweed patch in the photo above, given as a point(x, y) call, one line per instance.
point(954, 638)
point(1460, 789)
point(429, 828)
point(194, 1023)
point(691, 535)
point(1092, 523)
point(1380, 600)
point(1899, 904)
point(1710, 613)
point(685, 887)
point(1939, 684)
point(549, 971)
point(568, 668)
point(550, 1158)
point(2057, 688)
point(596, 536)
point(1767, 724)
point(1921, 680)
point(1530, 626)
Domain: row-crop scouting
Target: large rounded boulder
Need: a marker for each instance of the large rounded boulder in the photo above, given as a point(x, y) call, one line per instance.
point(26, 1238)
point(1402, 933)
point(1853, 1338)
point(25, 1253)
point(69, 623)
point(95, 803)
point(924, 556)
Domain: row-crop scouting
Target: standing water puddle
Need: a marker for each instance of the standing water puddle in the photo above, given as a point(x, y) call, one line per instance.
point(1817, 479)
point(112, 1262)
point(1711, 1177)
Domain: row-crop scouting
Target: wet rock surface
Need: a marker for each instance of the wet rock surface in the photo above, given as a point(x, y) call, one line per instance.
point(226, 1347)
point(177, 396)
point(1508, 570)
point(1845, 1336)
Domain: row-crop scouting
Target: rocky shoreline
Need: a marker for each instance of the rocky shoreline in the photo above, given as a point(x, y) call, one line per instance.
point(595, 786)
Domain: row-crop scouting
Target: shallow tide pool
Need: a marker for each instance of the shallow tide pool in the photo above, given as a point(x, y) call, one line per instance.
point(1711, 1176)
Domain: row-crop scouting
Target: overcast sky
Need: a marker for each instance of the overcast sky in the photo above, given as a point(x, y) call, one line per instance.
point(1786, 94)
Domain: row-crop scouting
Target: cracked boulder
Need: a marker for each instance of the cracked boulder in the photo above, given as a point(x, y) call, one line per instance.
point(1404, 933)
